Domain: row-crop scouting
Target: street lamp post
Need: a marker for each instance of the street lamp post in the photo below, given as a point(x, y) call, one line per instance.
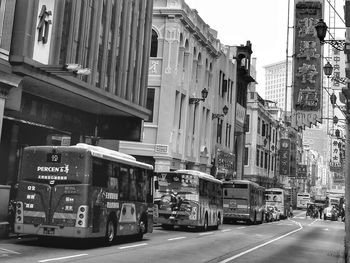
point(321, 30)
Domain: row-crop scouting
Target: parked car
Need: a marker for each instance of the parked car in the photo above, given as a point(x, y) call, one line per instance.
point(272, 213)
point(330, 213)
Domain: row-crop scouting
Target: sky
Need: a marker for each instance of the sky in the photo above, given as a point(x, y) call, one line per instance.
point(263, 22)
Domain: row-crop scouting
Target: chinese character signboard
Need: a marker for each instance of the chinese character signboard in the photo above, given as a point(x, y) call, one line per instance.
point(307, 88)
point(284, 156)
point(301, 171)
point(338, 178)
point(335, 163)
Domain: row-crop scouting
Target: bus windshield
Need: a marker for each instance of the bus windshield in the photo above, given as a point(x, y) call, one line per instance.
point(60, 167)
point(235, 190)
point(179, 184)
point(275, 196)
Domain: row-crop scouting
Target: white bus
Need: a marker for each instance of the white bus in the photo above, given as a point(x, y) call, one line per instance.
point(280, 198)
point(188, 198)
point(302, 200)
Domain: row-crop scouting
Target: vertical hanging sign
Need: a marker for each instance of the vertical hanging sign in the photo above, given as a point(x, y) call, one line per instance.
point(307, 86)
point(43, 32)
point(284, 156)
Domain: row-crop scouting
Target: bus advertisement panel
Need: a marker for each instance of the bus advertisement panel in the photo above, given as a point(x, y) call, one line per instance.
point(83, 191)
point(243, 200)
point(188, 198)
point(279, 198)
point(302, 200)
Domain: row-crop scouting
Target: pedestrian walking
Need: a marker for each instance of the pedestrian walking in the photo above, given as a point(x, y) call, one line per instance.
point(320, 210)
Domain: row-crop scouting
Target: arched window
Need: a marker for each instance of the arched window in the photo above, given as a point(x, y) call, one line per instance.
point(154, 44)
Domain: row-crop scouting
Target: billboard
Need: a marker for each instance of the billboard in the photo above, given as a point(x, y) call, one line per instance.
point(307, 80)
point(284, 156)
point(301, 171)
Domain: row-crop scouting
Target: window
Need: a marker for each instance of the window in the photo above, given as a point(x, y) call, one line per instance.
point(99, 173)
point(266, 160)
point(263, 127)
point(154, 44)
point(246, 155)
point(259, 123)
point(247, 123)
point(257, 157)
point(150, 102)
point(219, 131)
point(124, 183)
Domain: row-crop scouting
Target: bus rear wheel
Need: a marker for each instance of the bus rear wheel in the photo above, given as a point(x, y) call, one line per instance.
point(110, 232)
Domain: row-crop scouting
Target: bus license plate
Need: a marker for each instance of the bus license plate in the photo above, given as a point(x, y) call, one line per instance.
point(49, 231)
point(233, 204)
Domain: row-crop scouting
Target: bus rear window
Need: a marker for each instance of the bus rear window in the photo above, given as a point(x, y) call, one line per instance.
point(51, 166)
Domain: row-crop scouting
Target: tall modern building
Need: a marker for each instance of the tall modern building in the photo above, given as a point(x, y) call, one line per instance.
point(277, 79)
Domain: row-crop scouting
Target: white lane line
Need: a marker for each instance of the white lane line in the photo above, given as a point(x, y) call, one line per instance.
point(176, 238)
point(241, 227)
point(206, 233)
point(61, 258)
point(138, 245)
point(261, 245)
point(9, 251)
point(226, 230)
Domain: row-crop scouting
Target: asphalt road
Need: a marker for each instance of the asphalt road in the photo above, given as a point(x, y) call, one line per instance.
point(299, 239)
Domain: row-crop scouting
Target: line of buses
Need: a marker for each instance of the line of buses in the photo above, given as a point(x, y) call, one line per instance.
point(86, 191)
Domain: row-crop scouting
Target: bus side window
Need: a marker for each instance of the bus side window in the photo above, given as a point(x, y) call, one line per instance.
point(99, 173)
point(133, 189)
point(124, 183)
point(113, 179)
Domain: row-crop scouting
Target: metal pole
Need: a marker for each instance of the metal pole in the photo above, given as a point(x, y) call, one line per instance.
point(347, 191)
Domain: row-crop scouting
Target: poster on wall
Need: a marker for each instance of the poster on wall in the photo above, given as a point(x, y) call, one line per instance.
point(307, 60)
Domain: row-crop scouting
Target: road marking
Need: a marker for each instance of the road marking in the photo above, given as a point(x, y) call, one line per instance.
point(241, 227)
point(206, 233)
point(138, 245)
point(9, 251)
point(176, 238)
point(226, 230)
point(264, 244)
point(61, 258)
point(326, 229)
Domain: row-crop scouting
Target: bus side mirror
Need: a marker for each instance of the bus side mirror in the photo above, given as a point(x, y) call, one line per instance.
point(156, 185)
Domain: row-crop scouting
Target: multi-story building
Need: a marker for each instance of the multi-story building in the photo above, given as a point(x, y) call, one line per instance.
point(261, 146)
point(278, 79)
point(73, 72)
point(187, 130)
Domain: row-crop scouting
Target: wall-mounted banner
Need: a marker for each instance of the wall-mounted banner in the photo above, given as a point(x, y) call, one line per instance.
point(307, 86)
point(284, 156)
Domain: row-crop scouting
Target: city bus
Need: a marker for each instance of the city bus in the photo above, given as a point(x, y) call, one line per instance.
point(83, 191)
point(279, 198)
point(302, 200)
point(188, 198)
point(243, 200)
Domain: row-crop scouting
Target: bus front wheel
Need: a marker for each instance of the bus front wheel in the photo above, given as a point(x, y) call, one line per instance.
point(110, 232)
